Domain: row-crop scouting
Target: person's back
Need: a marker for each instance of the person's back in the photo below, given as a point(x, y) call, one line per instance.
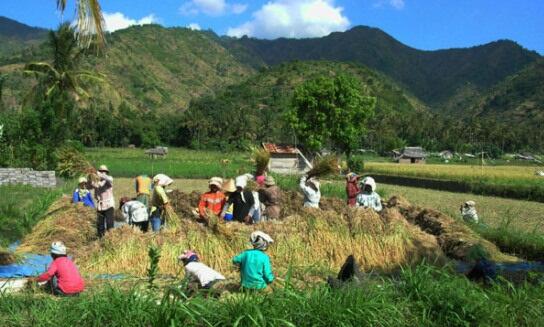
point(143, 189)
point(255, 269)
point(134, 212)
point(200, 272)
point(310, 189)
point(69, 280)
point(369, 200)
point(352, 189)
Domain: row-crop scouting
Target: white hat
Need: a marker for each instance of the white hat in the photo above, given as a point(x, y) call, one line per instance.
point(241, 181)
point(470, 203)
point(162, 180)
point(369, 181)
point(217, 181)
point(82, 179)
point(103, 168)
point(58, 248)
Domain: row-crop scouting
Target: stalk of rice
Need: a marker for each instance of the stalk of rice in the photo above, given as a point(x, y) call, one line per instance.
point(261, 158)
point(171, 217)
point(327, 165)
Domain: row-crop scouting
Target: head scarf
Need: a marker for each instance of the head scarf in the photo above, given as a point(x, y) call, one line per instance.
point(369, 181)
point(162, 180)
point(188, 256)
point(260, 240)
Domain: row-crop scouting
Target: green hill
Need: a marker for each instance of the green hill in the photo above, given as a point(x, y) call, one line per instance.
point(15, 37)
point(433, 76)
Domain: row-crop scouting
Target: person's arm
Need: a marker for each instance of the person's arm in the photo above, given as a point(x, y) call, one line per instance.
point(268, 275)
point(106, 178)
point(75, 197)
point(125, 212)
point(48, 274)
point(237, 260)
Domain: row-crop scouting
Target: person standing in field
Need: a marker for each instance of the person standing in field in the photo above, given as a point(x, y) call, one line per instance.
point(242, 202)
point(352, 188)
point(368, 198)
point(135, 213)
point(270, 196)
point(143, 189)
point(310, 187)
point(82, 194)
point(105, 203)
point(159, 201)
point(199, 275)
point(63, 275)
point(213, 200)
point(255, 267)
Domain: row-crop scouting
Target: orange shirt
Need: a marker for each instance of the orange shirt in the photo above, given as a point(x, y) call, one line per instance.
point(211, 201)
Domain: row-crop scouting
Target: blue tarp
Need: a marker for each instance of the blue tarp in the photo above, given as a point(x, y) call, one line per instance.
point(30, 265)
point(463, 267)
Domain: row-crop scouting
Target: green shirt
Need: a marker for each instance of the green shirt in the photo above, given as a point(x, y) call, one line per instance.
point(255, 269)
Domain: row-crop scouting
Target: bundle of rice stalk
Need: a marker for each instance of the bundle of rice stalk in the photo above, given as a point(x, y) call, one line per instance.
point(261, 158)
point(171, 217)
point(6, 258)
point(327, 165)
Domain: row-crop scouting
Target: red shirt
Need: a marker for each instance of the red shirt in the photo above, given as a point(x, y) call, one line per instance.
point(352, 190)
point(211, 201)
point(68, 277)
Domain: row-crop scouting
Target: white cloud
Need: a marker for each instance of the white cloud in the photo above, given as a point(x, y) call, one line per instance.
point(397, 4)
point(117, 21)
point(194, 27)
point(294, 19)
point(211, 7)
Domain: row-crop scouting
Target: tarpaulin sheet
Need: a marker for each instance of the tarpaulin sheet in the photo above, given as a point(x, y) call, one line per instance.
point(30, 265)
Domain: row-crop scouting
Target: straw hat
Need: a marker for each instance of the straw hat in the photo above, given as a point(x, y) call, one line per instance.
point(269, 181)
point(82, 179)
point(103, 168)
point(228, 186)
point(217, 181)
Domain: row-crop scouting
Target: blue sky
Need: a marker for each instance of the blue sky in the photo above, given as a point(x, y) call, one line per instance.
point(423, 24)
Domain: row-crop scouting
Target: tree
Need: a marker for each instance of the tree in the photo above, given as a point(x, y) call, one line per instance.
point(89, 23)
point(331, 112)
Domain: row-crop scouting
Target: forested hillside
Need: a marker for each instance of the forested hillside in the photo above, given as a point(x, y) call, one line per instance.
point(14, 37)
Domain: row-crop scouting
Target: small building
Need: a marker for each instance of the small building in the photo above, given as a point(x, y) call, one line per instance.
point(412, 154)
point(286, 159)
point(157, 152)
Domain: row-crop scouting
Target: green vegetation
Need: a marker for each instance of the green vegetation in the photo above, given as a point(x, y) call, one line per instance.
point(422, 296)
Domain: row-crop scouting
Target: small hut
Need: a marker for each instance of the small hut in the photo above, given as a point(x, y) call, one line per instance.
point(286, 159)
point(412, 154)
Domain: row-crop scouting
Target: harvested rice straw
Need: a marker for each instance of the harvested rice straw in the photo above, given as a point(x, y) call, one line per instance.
point(327, 165)
point(261, 158)
point(171, 217)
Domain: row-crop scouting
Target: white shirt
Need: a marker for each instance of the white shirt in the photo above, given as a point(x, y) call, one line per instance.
point(311, 196)
point(197, 271)
point(134, 211)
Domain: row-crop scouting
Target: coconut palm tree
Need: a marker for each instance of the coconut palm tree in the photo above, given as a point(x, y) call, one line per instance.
point(90, 21)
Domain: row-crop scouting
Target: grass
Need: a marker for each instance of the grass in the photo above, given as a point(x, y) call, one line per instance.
point(421, 296)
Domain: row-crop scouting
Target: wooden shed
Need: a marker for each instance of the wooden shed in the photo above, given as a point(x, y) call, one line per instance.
point(412, 154)
point(286, 159)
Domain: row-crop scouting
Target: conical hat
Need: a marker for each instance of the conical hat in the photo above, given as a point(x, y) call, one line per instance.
point(228, 186)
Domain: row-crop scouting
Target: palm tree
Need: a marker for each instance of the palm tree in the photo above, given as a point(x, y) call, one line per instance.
point(62, 75)
point(90, 21)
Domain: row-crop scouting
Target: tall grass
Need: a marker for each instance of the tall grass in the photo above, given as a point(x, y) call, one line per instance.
point(421, 296)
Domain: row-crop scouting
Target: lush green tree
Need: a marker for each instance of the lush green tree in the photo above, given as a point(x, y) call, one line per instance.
point(332, 112)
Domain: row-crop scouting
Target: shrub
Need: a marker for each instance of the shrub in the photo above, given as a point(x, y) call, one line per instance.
point(356, 164)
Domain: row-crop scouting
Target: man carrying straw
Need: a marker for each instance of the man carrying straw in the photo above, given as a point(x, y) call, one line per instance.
point(105, 203)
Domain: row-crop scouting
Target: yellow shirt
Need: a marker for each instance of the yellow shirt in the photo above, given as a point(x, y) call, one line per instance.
point(143, 185)
point(159, 197)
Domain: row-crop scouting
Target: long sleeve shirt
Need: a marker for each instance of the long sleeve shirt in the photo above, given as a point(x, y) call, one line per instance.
point(84, 196)
point(68, 277)
point(243, 205)
point(104, 192)
point(197, 271)
point(134, 212)
point(271, 197)
point(351, 191)
point(311, 196)
point(213, 201)
point(255, 269)
point(371, 200)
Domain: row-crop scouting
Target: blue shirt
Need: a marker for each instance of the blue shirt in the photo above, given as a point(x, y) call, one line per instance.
point(87, 199)
point(255, 269)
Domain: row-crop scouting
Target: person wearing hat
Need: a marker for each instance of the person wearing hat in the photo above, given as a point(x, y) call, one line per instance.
point(310, 187)
point(213, 200)
point(468, 212)
point(368, 198)
point(352, 188)
point(270, 196)
point(242, 202)
point(62, 274)
point(135, 213)
point(255, 267)
point(82, 194)
point(105, 203)
point(228, 188)
point(199, 275)
point(159, 200)
point(142, 184)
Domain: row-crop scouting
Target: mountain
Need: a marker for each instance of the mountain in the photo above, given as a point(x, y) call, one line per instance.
point(432, 76)
point(15, 36)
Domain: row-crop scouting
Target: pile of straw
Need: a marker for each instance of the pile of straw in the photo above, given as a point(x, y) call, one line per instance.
point(261, 158)
point(324, 166)
point(6, 258)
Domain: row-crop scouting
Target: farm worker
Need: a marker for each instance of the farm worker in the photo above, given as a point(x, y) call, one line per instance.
point(255, 268)
point(159, 200)
point(228, 189)
point(213, 200)
point(242, 202)
point(270, 196)
point(143, 189)
point(105, 203)
point(311, 189)
point(257, 210)
point(468, 212)
point(135, 213)
point(368, 198)
point(83, 194)
point(62, 274)
point(198, 273)
point(352, 188)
